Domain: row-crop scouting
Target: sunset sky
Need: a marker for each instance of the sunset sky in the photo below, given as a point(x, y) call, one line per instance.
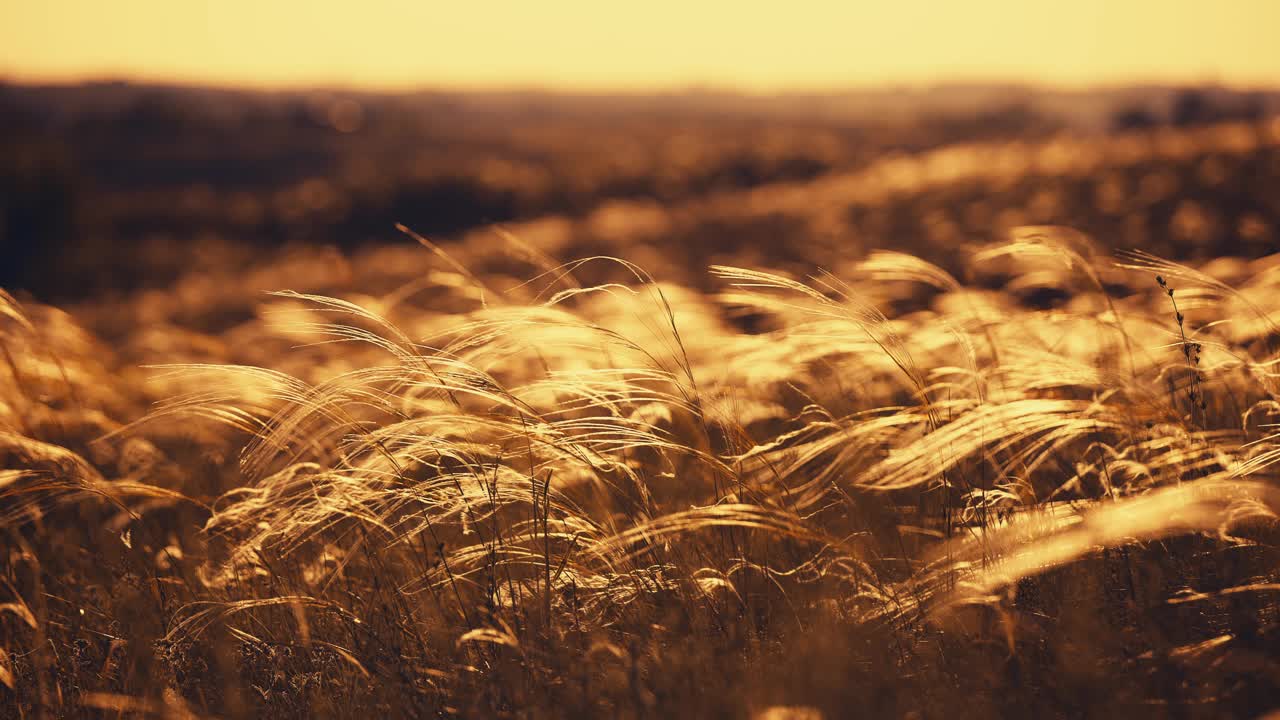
point(800, 44)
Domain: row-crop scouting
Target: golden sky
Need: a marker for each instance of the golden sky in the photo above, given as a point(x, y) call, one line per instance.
point(597, 44)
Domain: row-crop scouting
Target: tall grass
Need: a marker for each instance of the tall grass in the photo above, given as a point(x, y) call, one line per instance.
point(890, 488)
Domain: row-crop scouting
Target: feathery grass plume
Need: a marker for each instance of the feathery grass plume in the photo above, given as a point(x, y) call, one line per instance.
point(1211, 288)
point(969, 569)
point(198, 617)
point(831, 300)
point(51, 475)
point(1077, 252)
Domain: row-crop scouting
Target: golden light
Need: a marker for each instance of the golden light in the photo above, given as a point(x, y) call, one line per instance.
point(574, 44)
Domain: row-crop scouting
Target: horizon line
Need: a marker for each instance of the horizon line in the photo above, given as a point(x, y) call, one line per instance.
point(636, 90)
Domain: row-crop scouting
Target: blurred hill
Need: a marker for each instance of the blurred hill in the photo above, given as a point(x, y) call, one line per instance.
point(115, 186)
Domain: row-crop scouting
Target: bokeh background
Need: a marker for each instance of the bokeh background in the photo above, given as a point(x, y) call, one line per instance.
point(141, 139)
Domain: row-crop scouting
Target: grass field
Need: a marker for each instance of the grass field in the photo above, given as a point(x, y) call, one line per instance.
point(571, 467)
